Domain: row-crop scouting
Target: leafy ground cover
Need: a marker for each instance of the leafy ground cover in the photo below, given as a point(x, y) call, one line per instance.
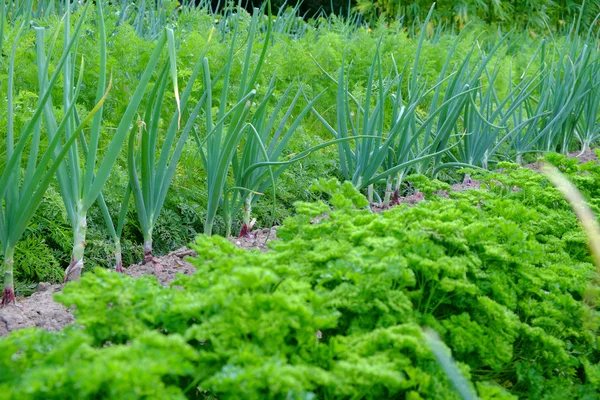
point(162, 121)
point(335, 309)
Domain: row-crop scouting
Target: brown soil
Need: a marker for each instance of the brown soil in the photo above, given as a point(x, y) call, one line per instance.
point(42, 311)
point(467, 184)
point(165, 268)
point(586, 156)
point(411, 199)
point(39, 310)
point(536, 166)
point(256, 240)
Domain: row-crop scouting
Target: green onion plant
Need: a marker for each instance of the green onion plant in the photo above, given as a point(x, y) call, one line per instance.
point(587, 129)
point(360, 164)
point(563, 110)
point(486, 120)
point(20, 195)
point(83, 173)
point(415, 141)
point(223, 136)
point(116, 231)
point(259, 162)
point(387, 146)
point(288, 22)
point(568, 91)
point(152, 164)
point(151, 17)
point(451, 113)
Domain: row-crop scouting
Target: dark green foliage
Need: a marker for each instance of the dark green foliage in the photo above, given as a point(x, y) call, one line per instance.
point(310, 8)
point(335, 310)
point(536, 15)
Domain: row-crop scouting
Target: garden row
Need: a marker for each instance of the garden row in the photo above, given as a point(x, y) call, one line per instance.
point(336, 308)
point(382, 113)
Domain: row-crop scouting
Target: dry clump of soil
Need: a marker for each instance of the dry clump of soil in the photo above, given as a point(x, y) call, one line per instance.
point(165, 268)
point(587, 156)
point(39, 310)
point(256, 240)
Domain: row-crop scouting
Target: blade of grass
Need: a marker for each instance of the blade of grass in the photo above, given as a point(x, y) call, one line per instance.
point(448, 365)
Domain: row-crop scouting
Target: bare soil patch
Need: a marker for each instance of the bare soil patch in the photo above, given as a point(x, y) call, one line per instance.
point(38, 310)
point(256, 240)
point(586, 156)
point(165, 268)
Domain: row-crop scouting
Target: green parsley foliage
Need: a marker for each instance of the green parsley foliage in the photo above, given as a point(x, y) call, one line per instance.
point(336, 309)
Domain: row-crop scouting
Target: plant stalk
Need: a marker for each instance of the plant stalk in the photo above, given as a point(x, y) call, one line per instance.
point(228, 222)
point(8, 294)
point(118, 257)
point(388, 192)
point(148, 250)
point(148, 258)
point(74, 270)
point(247, 223)
point(210, 220)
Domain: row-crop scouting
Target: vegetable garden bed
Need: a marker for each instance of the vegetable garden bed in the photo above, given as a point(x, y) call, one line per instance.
point(419, 251)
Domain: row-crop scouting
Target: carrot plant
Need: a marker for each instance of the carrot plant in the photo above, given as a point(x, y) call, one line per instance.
point(80, 179)
point(20, 195)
